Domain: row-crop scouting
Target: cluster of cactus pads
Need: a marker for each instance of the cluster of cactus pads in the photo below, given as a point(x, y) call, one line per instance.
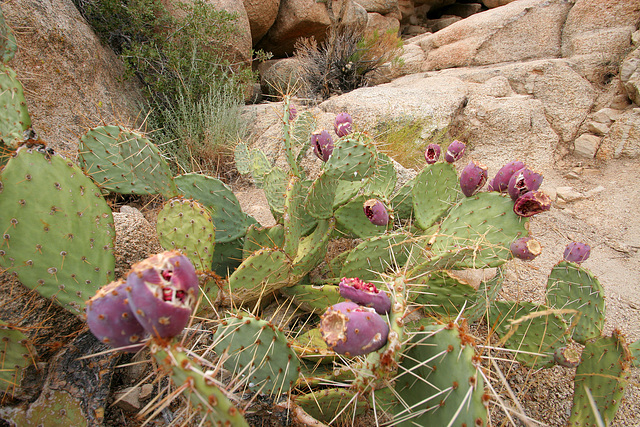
point(394, 331)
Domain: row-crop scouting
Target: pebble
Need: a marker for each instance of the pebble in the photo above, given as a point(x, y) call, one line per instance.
point(128, 399)
point(568, 194)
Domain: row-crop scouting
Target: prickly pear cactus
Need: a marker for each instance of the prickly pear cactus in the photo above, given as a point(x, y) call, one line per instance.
point(16, 353)
point(124, 161)
point(258, 352)
point(600, 381)
point(186, 225)
point(14, 117)
point(58, 232)
point(8, 45)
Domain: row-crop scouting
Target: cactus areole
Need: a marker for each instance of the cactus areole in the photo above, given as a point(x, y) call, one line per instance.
point(376, 212)
point(365, 294)
point(162, 291)
point(353, 330)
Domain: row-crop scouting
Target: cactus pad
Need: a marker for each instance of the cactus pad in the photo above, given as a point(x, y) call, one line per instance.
point(227, 216)
point(442, 294)
point(376, 255)
point(8, 45)
point(313, 248)
point(57, 229)
point(351, 220)
point(325, 405)
point(313, 298)
point(16, 353)
point(434, 191)
point(321, 196)
point(262, 237)
point(383, 180)
point(14, 119)
point(601, 374)
point(571, 286)
point(275, 186)
point(186, 225)
point(484, 222)
point(264, 271)
point(353, 158)
point(124, 161)
point(258, 352)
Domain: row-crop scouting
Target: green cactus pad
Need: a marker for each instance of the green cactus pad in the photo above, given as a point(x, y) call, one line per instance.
point(443, 295)
point(262, 237)
point(275, 186)
point(402, 201)
point(438, 383)
point(345, 191)
point(260, 166)
point(485, 223)
point(304, 125)
point(353, 158)
point(14, 119)
point(377, 255)
point(533, 331)
point(635, 353)
point(383, 181)
point(571, 286)
point(321, 195)
point(242, 158)
point(351, 220)
point(312, 347)
point(263, 272)
point(58, 232)
point(313, 298)
point(229, 220)
point(485, 296)
point(227, 257)
point(16, 354)
point(601, 371)
point(325, 405)
point(8, 45)
point(434, 191)
point(257, 352)
point(186, 225)
point(293, 216)
point(313, 248)
point(124, 161)
point(202, 390)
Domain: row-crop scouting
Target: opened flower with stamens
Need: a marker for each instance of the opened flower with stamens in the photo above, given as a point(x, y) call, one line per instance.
point(365, 294)
point(162, 292)
point(353, 330)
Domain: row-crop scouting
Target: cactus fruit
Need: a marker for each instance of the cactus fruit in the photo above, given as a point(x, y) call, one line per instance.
point(322, 144)
point(365, 294)
point(473, 178)
point(500, 182)
point(577, 252)
point(532, 203)
point(523, 181)
point(293, 113)
point(432, 153)
point(376, 212)
point(111, 319)
point(162, 291)
point(455, 151)
point(526, 248)
point(353, 330)
point(343, 124)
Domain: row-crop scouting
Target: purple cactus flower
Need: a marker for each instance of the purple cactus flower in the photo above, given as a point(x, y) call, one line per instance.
point(577, 252)
point(353, 330)
point(365, 294)
point(500, 182)
point(526, 248)
point(532, 203)
point(162, 291)
point(322, 145)
point(432, 153)
point(523, 181)
point(473, 178)
point(376, 212)
point(111, 319)
point(455, 151)
point(343, 124)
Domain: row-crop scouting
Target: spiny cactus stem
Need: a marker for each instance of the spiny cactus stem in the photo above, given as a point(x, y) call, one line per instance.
point(291, 159)
point(382, 364)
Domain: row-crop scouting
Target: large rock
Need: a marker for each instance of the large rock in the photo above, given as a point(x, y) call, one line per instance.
point(495, 3)
point(597, 35)
point(307, 18)
point(261, 14)
point(623, 139)
point(71, 81)
point(238, 47)
point(630, 75)
point(522, 30)
point(379, 6)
